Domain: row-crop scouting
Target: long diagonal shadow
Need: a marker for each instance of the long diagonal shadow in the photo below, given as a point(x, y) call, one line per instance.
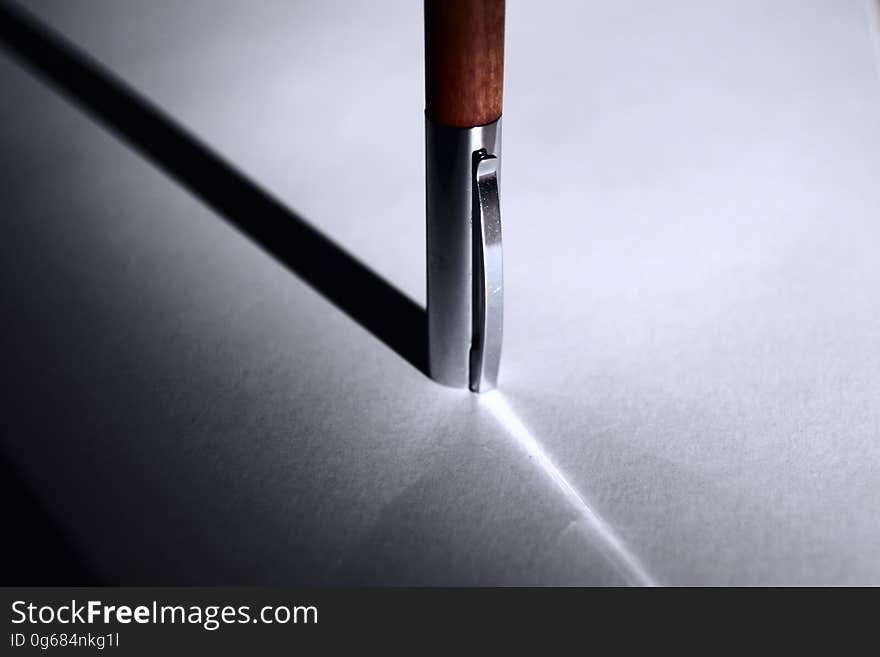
point(354, 288)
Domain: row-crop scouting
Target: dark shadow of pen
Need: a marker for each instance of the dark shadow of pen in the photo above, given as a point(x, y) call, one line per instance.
point(354, 288)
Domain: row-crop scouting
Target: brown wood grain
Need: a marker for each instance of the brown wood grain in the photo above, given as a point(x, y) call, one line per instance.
point(464, 61)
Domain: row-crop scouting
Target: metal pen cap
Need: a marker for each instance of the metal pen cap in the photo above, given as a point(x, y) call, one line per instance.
point(465, 279)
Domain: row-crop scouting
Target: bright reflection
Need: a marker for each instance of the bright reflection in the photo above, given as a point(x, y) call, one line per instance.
point(612, 545)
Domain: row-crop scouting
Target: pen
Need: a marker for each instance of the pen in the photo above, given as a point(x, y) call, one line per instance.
point(464, 66)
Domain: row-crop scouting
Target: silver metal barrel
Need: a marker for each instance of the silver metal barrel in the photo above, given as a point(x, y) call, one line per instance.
point(465, 280)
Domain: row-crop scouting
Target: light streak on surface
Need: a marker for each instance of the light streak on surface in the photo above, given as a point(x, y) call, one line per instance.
point(611, 544)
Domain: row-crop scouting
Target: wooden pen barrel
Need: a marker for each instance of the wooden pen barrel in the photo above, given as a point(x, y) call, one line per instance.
point(464, 61)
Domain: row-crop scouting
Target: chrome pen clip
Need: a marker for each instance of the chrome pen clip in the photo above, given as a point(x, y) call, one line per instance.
point(465, 279)
point(488, 278)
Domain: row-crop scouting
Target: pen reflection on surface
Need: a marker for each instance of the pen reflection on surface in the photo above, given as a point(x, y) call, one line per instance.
point(610, 543)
